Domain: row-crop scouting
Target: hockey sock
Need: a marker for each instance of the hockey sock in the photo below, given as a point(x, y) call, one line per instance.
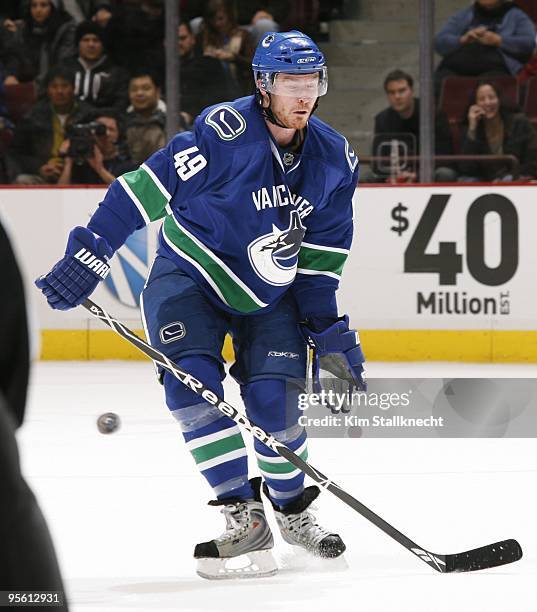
point(273, 405)
point(214, 440)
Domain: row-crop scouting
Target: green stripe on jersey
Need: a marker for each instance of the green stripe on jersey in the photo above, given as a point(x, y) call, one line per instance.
point(280, 468)
point(147, 192)
point(321, 260)
point(215, 449)
point(233, 294)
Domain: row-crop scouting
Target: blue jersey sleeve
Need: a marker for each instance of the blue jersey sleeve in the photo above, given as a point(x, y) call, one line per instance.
point(169, 178)
point(323, 253)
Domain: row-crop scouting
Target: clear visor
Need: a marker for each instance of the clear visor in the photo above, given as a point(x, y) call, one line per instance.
point(309, 85)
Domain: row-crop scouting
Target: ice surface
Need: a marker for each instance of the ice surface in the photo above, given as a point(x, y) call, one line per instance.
point(126, 509)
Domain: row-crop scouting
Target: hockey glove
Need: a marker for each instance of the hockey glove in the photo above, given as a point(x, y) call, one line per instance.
point(337, 351)
point(75, 277)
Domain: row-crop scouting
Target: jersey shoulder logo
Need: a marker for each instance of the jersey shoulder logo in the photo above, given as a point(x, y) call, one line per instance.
point(274, 256)
point(352, 158)
point(226, 121)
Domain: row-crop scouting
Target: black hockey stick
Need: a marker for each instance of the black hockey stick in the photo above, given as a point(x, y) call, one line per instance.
point(492, 555)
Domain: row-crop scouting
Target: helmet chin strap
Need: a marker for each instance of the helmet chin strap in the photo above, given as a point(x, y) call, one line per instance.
point(268, 113)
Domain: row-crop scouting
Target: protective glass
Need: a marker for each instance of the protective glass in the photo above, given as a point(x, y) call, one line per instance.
point(306, 85)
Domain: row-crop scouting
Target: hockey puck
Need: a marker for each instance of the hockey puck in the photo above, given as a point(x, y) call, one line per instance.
point(108, 422)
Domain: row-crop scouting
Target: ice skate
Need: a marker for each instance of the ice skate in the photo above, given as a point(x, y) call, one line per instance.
point(244, 550)
point(299, 528)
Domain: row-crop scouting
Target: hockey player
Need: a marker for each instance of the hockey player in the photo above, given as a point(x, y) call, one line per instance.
point(257, 208)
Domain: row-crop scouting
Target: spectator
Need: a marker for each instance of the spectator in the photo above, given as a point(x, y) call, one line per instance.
point(202, 78)
point(258, 17)
point(401, 120)
point(134, 31)
point(262, 17)
point(221, 37)
point(146, 117)
point(44, 38)
point(39, 135)
point(493, 129)
point(102, 14)
point(488, 38)
point(97, 80)
point(108, 159)
point(79, 10)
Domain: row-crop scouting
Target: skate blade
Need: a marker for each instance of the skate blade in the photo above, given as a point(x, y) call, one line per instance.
point(255, 564)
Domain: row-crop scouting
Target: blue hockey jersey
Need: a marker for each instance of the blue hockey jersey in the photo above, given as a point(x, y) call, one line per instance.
point(244, 218)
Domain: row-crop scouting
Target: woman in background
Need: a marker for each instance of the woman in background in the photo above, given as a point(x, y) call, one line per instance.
point(222, 38)
point(493, 129)
point(44, 38)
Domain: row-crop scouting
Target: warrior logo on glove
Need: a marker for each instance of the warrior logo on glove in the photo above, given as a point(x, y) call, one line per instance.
point(91, 262)
point(75, 276)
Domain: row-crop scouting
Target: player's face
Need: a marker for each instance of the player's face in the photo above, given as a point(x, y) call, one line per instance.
point(400, 95)
point(143, 93)
point(90, 47)
point(294, 102)
point(487, 100)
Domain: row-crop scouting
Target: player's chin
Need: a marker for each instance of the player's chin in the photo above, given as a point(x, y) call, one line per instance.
point(298, 120)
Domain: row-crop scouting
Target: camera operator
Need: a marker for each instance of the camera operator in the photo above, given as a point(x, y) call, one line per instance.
point(93, 153)
point(39, 135)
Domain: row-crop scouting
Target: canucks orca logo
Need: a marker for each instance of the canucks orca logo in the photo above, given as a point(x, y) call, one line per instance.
point(274, 256)
point(129, 269)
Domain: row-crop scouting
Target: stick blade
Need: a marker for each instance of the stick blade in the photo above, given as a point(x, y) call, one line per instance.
point(492, 555)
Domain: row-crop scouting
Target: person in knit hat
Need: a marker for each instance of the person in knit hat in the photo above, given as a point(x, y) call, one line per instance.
point(98, 81)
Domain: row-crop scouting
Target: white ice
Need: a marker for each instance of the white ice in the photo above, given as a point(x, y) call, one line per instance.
point(126, 509)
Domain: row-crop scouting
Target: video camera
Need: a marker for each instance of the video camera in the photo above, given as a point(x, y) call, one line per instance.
point(82, 139)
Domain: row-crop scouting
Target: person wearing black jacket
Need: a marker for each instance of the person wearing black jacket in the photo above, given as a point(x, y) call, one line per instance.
point(494, 129)
point(402, 120)
point(489, 37)
point(45, 38)
point(39, 135)
point(98, 81)
point(27, 558)
point(203, 80)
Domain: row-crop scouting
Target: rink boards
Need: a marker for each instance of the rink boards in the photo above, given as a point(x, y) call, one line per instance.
point(435, 272)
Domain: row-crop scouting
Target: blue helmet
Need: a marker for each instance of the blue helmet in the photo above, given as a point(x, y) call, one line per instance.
point(289, 53)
